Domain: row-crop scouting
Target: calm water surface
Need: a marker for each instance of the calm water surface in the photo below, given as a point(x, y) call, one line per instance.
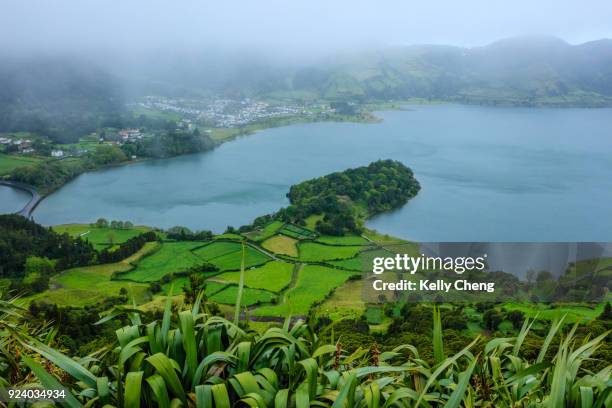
point(12, 199)
point(487, 174)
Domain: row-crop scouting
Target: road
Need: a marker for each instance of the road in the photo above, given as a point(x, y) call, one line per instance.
point(27, 210)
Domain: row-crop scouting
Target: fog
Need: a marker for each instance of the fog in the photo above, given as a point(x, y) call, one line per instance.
point(297, 27)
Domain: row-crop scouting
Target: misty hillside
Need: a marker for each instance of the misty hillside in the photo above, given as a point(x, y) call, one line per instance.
point(68, 97)
point(522, 70)
point(60, 97)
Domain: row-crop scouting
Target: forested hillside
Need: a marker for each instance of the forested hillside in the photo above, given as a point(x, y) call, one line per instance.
point(63, 98)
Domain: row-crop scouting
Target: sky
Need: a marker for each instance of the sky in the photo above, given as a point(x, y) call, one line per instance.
point(290, 25)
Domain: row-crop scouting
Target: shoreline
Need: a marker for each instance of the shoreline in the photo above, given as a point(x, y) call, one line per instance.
point(35, 197)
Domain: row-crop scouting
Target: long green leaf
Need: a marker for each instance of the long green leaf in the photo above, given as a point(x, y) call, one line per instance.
point(240, 286)
point(438, 343)
point(49, 382)
point(158, 386)
point(464, 380)
point(164, 367)
point(65, 363)
point(133, 386)
point(189, 342)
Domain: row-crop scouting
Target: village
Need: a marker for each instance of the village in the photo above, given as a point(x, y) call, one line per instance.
point(186, 114)
point(229, 113)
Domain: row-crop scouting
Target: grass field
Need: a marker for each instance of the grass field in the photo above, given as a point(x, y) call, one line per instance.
point(346, 302)
point(297, 232)
point(266, 232)
point(273, 276)
point(249, 296)
point(228, 255)
point(217, 249)
point(311, 251)
point(282, 245)
point(574, 312)
point(101, 238)
point(171, 257)
point(8, 163)
point(363, 261)
point(89, 285)
point(343, 240)
point(314, 283)
point(178, 284)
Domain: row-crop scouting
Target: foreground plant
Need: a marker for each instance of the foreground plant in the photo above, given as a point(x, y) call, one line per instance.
point(195, 360)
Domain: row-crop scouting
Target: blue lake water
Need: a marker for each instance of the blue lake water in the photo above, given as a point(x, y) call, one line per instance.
point(487, 174)
point(12, 199)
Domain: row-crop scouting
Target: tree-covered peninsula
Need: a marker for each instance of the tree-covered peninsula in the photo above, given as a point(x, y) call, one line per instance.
point(344, 199)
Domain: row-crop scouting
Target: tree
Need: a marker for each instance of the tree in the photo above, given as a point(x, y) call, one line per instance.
point(492, 318)
point(193, 287)
point(38, 271)
point(101, 223)
point(607, 312)
point(516, 317)
point(42, 265)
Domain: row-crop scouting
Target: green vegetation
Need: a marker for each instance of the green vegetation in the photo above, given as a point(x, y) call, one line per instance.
point(313, 252)
point(100, 238)
point(21, 238)
point(8, 163)
point(159, 361)
point(361, 262)
point(274, 276)
point(227, 255)
point(217, 249)
point(343, 240)
point(172, 257)
point(297, 232)
point(314, 284)
point(282, 245)
point(85, 286)
point(249, 296)
point(267, 231)
point(345, 198)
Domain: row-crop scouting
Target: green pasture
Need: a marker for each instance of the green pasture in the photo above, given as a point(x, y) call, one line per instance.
point(575, 311)
point(362, 262)
point(178, 284)
point(343, 240)
point(346, 302)
point(100, 238)
point(9, 162)
point(313, 284)
point(297, 232)
point(228, 255)
point(217, 248)
point(265, 232)
point(88, 285)
point(273, 276)
point(249, 296)
point(172, 257)
point(282, 245)
point(314, 252)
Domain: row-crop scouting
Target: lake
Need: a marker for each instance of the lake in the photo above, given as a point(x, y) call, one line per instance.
point(12, 199)
point(487, 174)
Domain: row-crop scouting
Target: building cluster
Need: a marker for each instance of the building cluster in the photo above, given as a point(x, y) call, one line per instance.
point(224, 113)
point(129, 135)
point(23, 146)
